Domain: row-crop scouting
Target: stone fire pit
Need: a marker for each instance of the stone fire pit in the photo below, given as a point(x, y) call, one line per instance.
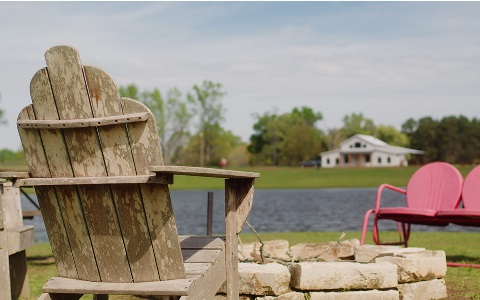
point(339, 270)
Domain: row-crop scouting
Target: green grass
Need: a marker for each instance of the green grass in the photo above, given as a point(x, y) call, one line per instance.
point(300, 178)
point(306, 178)
point(462, 283)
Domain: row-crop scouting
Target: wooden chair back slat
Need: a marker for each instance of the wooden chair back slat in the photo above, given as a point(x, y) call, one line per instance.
point(156, 198)
point(69, 239)
point(119, 161)
point(113, 233)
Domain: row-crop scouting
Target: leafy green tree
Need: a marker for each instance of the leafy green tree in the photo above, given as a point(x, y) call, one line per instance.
point(302, 142)
point(9, 156)
point(286, 139)
point(209, 109)
point(223, 145)
point(334, 137)
point(423, 136)
point(172, 115)
point(129, 91)
point(307, 115)
point(357, 123)
point(392, 136)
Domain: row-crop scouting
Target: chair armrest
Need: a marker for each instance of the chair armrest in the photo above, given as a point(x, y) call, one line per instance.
point(390, 187)
point(204, 172)
point(14, 175)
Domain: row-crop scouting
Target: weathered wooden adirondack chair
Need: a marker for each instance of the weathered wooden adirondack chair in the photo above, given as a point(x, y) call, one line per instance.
point(97, 168)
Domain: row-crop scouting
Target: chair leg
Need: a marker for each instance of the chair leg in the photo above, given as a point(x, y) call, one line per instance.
point(365, 225)
point(406, 233)
point(376, 235)
point(403, 233)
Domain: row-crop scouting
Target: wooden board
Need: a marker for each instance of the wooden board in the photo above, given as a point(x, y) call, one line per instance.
point(204, 172)
point(201, 242)
point(131, 208)
point(79, 123)
point(93, 180)
point(72, 102)
point(73, 254)
point(163, 230)
point(156, 199)
point(38, 165)
point(231, 244)
point(177, 287)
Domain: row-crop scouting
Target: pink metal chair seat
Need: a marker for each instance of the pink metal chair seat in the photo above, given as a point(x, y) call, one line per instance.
point(420, 216)
point(433, 187)
point(461, 216)
point(469, 215)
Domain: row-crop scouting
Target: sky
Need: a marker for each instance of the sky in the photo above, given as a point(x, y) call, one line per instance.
point(390, 61)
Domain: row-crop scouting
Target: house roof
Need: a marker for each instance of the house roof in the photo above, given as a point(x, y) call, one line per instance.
point(377, 144)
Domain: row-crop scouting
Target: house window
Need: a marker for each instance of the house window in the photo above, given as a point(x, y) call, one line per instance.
point(328, 161)
point(358, 145)
point(389, 160)
point(345, 159)
point(367, 158)
point(336, 161)
point(379, 160)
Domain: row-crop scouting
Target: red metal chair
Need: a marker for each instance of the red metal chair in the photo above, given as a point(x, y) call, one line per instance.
point(433, 187)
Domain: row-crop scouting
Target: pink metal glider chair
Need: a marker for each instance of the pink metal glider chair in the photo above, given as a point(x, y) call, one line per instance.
point(433, 187)
point(469, 215)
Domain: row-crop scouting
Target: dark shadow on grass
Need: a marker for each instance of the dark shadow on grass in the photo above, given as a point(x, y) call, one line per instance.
point(40, 260)
point(463, 259)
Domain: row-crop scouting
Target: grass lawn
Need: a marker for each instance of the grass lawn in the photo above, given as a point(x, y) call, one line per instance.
point(302, 178)
point(462, 283)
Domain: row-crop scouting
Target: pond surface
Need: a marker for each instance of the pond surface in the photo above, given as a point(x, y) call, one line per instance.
point(339, 209)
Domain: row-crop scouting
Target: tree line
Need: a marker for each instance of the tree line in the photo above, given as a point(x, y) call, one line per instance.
point(453, 139)
point(191, 132)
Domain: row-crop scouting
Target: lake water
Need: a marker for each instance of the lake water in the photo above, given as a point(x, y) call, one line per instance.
point(336, 209)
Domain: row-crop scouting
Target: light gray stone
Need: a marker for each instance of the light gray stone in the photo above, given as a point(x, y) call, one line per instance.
point(276, 249)
point(357, 295)
point(262, 280)
point(224, 297)
point(287, 296)
point(400, 251)
point(418, 266)
point(432, 289)
point(330, 251)
point(343, 275)
point(367, 253)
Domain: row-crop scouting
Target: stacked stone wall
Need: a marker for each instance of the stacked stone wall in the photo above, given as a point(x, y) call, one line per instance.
point(340, 270)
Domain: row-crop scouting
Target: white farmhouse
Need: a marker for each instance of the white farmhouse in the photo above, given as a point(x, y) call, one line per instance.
point(366, 151)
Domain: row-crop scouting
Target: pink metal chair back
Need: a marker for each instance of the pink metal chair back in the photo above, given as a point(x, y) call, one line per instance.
point(435, 186)
point(471, 189)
